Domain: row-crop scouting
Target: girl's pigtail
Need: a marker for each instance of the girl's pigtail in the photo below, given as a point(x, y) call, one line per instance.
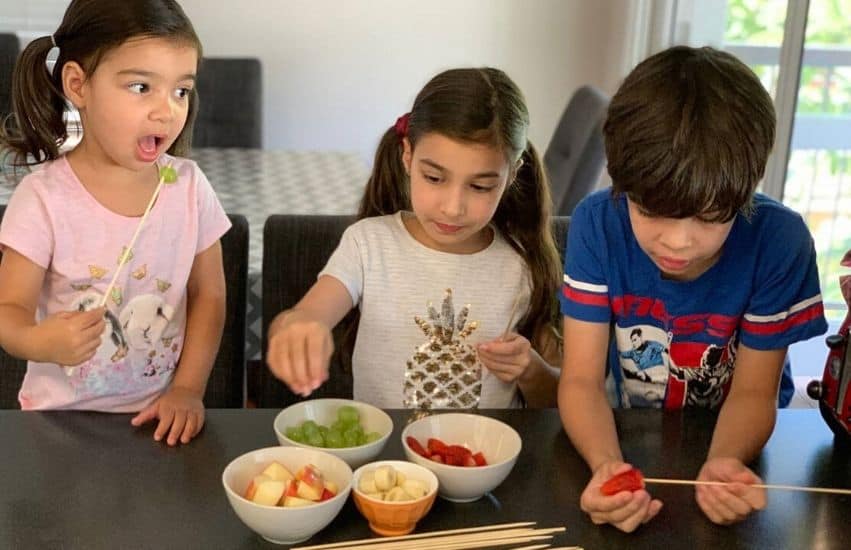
point(36, 128)
point(387, 188)
point(524, 218)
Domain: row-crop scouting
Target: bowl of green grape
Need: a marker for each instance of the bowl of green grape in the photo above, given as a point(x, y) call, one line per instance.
point(351, 430)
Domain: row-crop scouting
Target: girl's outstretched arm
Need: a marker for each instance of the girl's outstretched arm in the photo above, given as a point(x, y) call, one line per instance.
point(180, 409)
point(300, 341)
point(66, 338)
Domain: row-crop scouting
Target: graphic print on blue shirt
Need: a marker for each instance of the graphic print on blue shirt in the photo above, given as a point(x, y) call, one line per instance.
point(674, 341)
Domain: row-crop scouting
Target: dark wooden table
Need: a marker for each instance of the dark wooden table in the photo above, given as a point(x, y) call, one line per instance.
point(87, 480)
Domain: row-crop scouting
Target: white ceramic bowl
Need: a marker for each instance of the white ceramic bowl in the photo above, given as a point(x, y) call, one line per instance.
point(324, 412)
point(498, 441)
point(400, 517)
point(278, 524)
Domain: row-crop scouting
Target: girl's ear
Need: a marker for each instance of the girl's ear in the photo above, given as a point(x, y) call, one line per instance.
point(407, 155)
point(74, 83)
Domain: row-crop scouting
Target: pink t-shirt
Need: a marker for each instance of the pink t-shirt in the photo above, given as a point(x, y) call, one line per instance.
point(54, 221)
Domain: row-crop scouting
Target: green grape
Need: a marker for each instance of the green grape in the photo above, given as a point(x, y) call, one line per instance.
point(339, 426)
point(362, 439)
point(295, 433)
point(372, 436)
point(309, 428)
point(348, 415)
point(323, 430)
point(168, 174)
point(334, 439)
point(351, 438)
point(316, 440)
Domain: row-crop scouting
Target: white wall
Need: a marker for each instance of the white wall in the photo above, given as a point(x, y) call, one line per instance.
point(338, 73)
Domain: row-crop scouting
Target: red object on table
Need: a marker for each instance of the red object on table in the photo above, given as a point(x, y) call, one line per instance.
point(630, 480)
point(416, 447)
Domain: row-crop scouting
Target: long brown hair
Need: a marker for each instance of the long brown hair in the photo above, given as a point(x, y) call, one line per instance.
point(36, 128)
point(481, 106)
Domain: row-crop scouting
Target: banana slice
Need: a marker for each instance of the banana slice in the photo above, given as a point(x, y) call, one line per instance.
point(416, 489)
point(385, 478)
point(397, 494)
point(367, 484)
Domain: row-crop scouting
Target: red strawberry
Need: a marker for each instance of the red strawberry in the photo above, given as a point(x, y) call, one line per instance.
point(480, 459)
point(416, 447)
point(436, 446)
point(630, 480)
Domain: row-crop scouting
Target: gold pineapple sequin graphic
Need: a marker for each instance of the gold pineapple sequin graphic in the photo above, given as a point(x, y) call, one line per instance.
point(162, 286)
point(445, 371)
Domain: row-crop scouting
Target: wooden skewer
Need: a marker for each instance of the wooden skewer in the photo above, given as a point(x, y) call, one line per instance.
point(457, 542)
point(756, 485)
point(70, 371)
point(434, 534)
point(126, 255)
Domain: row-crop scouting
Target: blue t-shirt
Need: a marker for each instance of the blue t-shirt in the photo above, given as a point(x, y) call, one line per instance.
point(675, 341)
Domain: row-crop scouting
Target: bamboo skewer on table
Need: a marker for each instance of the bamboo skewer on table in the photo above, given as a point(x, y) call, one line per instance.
point(165, 173)
point(455, 539)
point(663, 481)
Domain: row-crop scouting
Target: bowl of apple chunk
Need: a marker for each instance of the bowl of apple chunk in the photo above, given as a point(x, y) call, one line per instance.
point(287, 494)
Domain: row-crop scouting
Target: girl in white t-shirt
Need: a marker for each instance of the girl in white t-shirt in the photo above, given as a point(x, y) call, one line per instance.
point(129, 69)
point(452, 265)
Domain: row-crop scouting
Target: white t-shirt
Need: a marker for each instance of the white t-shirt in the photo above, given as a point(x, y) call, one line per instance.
point(392, 277)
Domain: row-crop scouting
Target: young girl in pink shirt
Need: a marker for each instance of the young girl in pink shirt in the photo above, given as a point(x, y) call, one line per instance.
point(129, 69)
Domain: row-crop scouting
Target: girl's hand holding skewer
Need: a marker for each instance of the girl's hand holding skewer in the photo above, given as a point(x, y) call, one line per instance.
point(299, 351)
point(180, 412)
point(734, 501)
point(68, 338)
point(626, 509)
point(508, 357)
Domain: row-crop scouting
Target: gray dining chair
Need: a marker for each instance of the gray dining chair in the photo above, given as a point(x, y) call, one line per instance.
point(9, 50)
point(226, 386)
point(295, 249)
point(12, 370)
point(230, 112)
point(576, 155)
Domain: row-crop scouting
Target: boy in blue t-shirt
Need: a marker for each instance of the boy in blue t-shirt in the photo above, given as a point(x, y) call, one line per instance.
point(705, 282)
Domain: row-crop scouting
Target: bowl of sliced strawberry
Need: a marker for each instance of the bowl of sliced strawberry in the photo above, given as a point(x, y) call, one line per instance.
point(470, 454)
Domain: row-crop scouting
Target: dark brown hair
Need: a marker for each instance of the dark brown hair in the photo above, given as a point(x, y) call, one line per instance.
point(89, 30)
point(688, 133)
point(481, 106)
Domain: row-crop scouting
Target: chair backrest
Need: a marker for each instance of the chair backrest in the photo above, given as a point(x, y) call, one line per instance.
point(560, 227)
point(576, 154)
point(12, 370)
point(226, 386)
point(9, 49)
point(230, 110)
point(295, 249)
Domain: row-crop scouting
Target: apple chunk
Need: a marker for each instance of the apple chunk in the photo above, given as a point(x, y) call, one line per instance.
point(278, 472)
point(311, 483)
point(255, 483)
point(269, 493)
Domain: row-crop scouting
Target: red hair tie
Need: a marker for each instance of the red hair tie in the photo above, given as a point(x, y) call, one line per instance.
point(401, 125)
